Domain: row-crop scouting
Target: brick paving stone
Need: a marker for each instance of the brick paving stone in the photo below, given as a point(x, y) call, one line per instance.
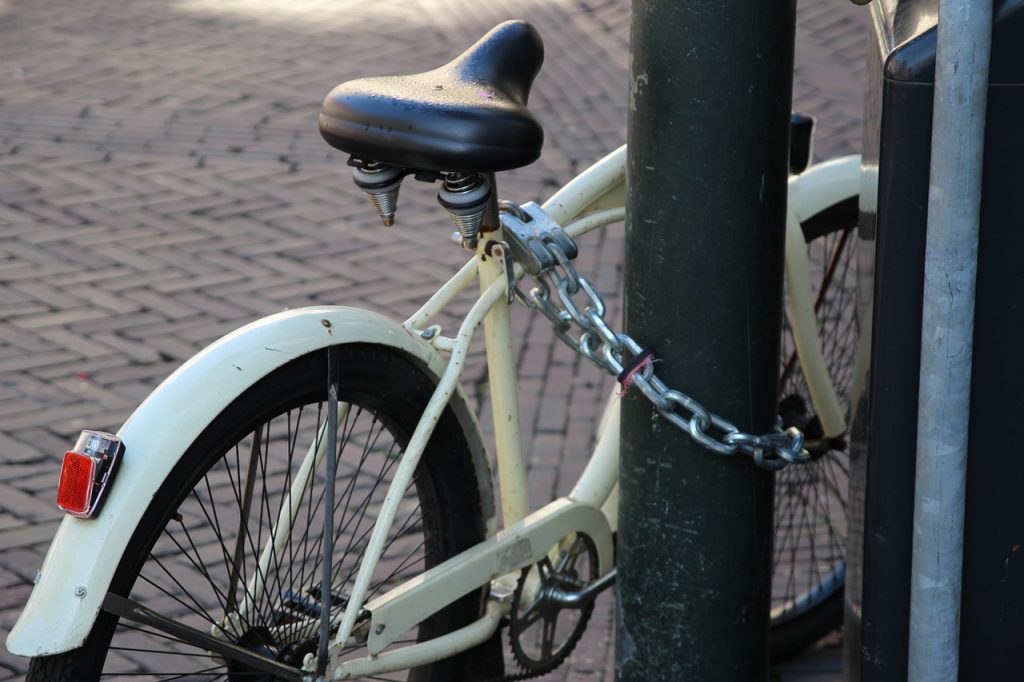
point(162, 182)
point(28, 535)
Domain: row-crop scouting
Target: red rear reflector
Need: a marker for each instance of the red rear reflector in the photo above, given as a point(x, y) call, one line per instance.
point(74, 492)
point(88, 470)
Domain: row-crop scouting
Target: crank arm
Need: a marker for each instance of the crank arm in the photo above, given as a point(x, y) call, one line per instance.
point(581, 598)
point(133, 611)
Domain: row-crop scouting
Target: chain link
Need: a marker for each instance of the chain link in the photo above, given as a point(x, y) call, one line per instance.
point(617, 353)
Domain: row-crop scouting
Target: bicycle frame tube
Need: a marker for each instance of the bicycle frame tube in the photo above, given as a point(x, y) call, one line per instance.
point(602, 471)
point(410, 459)
point(501, 375)
point(600, 186)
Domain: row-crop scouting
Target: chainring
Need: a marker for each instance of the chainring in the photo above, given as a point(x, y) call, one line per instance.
point(538, 644)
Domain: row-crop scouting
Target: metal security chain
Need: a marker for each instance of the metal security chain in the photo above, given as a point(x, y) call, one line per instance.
point(530, 231)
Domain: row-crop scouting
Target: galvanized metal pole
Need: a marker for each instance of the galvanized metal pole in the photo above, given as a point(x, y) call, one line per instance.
point(709, 103)
point(951, 253)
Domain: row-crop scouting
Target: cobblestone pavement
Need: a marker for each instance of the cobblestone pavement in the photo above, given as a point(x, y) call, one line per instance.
point(162, 182)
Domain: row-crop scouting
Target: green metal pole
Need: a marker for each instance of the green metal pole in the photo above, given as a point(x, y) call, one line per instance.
point(710, 90)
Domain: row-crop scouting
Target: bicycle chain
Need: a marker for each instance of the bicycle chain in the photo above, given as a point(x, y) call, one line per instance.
point(619, 354)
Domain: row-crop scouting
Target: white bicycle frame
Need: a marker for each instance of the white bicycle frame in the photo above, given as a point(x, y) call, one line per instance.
point(79, 565)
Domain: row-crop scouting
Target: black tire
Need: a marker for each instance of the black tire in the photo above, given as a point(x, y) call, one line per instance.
point(180, 560)
point(809, 556)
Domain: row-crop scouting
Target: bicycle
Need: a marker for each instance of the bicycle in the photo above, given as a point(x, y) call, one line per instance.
point(157, 563)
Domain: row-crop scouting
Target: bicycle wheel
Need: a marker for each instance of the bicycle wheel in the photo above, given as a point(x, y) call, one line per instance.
point(194, 557)
point(811, 500)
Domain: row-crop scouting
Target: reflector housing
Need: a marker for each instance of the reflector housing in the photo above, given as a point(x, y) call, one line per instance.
point(87, 472)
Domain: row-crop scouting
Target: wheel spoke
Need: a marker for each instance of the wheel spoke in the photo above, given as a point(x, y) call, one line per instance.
point(128, 609)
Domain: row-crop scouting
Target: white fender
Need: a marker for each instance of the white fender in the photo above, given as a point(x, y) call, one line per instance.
point(810, 192)
point(84, 553)
point(824, 184)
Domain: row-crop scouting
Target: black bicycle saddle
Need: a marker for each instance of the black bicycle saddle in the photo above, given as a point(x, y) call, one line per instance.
point(468, 115)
